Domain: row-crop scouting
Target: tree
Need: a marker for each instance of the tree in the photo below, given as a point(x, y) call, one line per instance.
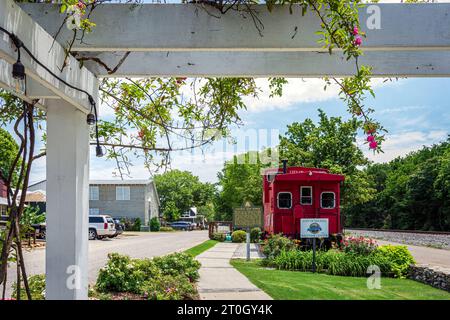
point(9, 149)
point(330, 144)
point(412, 192)
point(179, 191)
point(240, 180)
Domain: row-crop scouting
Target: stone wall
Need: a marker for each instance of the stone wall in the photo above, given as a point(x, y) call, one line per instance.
point(435, 276)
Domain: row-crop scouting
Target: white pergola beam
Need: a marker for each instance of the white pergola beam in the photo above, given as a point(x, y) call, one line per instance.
point(49, 52)
point(190, 27)
point(7, 83)
point(263, 64)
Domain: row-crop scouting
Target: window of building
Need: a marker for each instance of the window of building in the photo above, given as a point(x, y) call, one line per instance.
point(284, 200)
point(306, 195)
point(93, 193)
point(327, 200)
point(3, 211)
point(122, 193)
point(94, 211)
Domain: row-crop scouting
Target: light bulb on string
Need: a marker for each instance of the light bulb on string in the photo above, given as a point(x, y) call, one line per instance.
point(18, 74)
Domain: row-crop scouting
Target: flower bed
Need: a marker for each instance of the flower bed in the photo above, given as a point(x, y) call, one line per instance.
point(352, 258)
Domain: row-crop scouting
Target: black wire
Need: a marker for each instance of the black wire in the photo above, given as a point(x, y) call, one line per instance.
point(19, 44)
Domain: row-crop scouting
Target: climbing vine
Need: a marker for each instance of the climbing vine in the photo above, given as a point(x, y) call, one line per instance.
point(339, 30)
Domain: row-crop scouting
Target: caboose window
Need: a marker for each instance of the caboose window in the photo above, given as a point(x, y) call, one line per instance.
point(327, 200)
point(306, 195)
point(284, 200)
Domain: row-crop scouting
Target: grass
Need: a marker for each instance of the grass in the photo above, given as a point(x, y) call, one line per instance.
point(294, 285)
point(195, 251)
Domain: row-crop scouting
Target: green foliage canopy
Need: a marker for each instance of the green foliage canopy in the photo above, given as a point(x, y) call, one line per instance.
point(180, 190)
point(412, 192)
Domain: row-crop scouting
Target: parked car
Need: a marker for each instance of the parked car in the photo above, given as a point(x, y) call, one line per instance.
point(120, 228)
point(101, 226)
point(182, 225)
point(41, 229)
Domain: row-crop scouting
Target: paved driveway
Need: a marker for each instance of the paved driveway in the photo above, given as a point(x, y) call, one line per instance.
point(136, 245)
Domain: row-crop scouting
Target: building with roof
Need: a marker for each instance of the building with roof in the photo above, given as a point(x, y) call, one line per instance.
point(129, 199)
point(3, 200)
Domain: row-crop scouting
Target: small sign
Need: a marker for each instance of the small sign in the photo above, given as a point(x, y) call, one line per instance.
point(248, 217)
point(223, 229)
point(314, 228)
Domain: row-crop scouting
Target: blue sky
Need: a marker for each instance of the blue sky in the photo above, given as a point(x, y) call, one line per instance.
point(414, 111)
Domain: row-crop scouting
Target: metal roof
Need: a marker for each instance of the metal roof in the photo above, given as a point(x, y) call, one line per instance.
point(120, 182)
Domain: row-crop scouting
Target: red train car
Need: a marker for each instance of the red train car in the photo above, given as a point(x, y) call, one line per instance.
point(293, 193)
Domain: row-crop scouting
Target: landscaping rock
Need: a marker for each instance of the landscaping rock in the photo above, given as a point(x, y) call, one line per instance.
point(437, 277)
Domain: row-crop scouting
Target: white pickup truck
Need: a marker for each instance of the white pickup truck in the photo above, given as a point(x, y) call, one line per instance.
point(101, 226)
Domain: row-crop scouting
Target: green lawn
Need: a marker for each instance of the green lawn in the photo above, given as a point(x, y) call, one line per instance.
point(195, 251)
point(294, 285)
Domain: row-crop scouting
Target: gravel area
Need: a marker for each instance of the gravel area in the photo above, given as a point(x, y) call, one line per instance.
point(439, 241)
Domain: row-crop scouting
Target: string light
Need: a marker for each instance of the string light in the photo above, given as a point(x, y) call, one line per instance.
point(19, 76)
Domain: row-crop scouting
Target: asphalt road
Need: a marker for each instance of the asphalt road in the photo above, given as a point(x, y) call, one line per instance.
point(136, 245)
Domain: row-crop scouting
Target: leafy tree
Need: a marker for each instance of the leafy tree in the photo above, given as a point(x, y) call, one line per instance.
point(9, 150)
point(412, 192)
point(330, 144)
point(180, 190)
point(240, 180)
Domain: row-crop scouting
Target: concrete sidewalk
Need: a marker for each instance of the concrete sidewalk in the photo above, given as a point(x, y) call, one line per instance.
point(220, 281)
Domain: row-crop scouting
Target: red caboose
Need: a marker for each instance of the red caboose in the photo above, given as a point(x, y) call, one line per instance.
point(290, 194)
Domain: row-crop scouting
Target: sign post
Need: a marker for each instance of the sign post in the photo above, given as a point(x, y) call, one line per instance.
point(248, 243)
point(313, 229)
point(247, 217)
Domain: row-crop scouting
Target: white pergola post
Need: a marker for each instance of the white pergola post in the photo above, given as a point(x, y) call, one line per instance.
point(67, 202)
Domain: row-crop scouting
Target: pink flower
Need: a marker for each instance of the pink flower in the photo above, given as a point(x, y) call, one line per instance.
point(357, 41)
point(370, 138)
point(81, 5)
point(373, 145)
point(355, 31)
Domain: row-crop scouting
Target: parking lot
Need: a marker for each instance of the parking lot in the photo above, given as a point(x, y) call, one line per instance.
point(134, 244)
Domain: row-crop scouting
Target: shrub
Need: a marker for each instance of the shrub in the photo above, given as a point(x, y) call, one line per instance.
point(154, 224)
point(36, 284)
point(131, 224)
point(277, 243)
point(332, 262)
point(238, 236)
point(137, 224)
point(218, 236)
point(255, 235)
point(122, 274)
point(178, 264)
point(344, 264)
point(166, 229)
point(399, 257)
point(360, 245)
point(170, 287)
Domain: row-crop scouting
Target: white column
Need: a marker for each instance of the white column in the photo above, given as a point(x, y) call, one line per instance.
point(67, 202)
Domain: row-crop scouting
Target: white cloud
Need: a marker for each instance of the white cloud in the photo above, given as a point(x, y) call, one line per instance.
point(400, 144)
point(298, 91)
point(402, 109)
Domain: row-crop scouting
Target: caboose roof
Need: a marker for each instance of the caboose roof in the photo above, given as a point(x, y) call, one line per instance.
point(305, 174)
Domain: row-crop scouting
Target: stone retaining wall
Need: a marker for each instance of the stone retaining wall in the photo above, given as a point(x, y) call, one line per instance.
point(435, 276)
